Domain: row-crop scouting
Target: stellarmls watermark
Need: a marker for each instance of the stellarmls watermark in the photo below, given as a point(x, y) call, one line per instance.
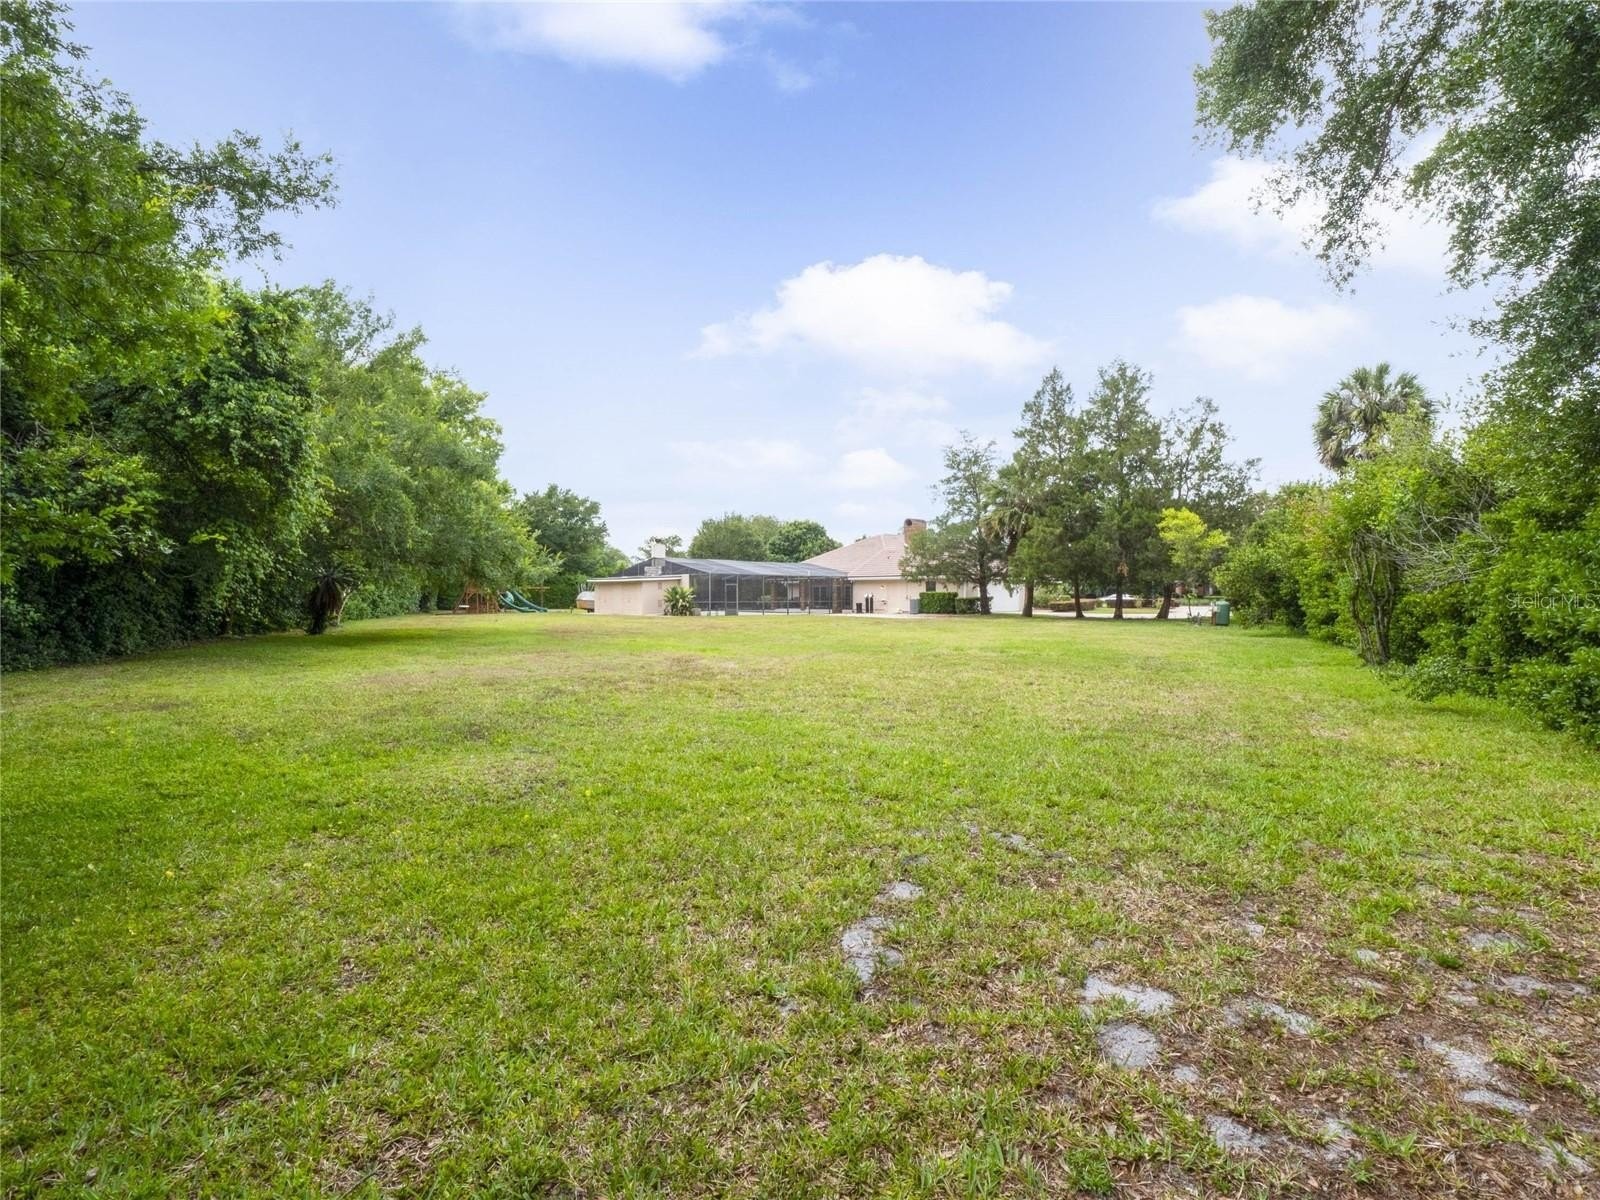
point(1562, 601)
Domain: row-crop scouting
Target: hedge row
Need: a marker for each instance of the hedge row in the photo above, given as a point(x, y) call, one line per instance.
point(947, 602)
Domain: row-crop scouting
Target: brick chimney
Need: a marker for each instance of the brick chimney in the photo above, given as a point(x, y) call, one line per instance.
point(913, 525)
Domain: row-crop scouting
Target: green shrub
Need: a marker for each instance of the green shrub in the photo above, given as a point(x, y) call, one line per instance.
point(1489, 561)
point(560, 591)
point(947, 602)
point(385, 599)
point(1564, 695)
point(1277, 573)
point(678, 601)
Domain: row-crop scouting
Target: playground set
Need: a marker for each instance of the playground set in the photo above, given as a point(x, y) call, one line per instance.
point(482, 600)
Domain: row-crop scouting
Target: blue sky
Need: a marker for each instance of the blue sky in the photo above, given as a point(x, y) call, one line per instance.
point(768, 258)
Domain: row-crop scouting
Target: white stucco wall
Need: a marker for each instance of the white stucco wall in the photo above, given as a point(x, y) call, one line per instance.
point(888, 595)
point(895, 595)
point(1002, 599)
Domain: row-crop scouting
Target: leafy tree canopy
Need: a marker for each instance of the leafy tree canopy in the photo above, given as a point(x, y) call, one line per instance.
point(1195, 548)
point(796, 541)
point(962, 545)
point(1483, 114)
point(183, 457)
point(569, 526)
point(733, 535)
point(411, 464)
point(1125, 448)
point(1081, 499)
point(759, 538)
point(104, 230)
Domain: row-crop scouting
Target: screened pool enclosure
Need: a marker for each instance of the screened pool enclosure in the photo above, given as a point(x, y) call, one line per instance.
point(723, 585)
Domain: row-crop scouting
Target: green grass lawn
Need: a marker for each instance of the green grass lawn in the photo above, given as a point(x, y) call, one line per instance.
point(552, 905)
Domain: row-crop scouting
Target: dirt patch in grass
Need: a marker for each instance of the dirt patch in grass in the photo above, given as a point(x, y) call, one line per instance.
point(373, 1149)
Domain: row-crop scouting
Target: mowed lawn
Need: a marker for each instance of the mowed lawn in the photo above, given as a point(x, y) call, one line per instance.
point(553, 905)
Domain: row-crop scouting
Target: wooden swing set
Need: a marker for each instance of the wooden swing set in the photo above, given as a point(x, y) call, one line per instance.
point(475, 599)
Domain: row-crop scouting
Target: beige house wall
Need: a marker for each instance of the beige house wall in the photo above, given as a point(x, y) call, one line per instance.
point(895, 595)
point(888, 595)
point(640, 597)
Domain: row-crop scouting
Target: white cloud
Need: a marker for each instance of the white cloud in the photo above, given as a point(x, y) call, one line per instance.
point(1229, 203)
point(888, 312)
point(1260, 337)
point(787, 76)
point(1236, 203)
point(869, 470)
point(899, 413)
point(745, 456)
point(665, 37)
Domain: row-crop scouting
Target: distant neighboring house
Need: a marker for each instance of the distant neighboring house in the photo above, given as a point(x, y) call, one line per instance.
point(872, 564)
point(862, 577)
point(720, 585)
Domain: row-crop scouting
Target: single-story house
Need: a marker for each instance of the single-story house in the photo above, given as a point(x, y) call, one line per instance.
point(722, 585)
point(861, 577)
point(873, 567)
point(872, 564)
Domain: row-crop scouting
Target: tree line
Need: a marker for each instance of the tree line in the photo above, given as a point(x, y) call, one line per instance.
point(569, 528)
point(757, 538)
point(1439, 557)
point(1102, 494)
point(1463, 562)
point(182, 456)
point(1466, 562)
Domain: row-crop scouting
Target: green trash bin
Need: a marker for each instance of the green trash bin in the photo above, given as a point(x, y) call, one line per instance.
point(1219, 613)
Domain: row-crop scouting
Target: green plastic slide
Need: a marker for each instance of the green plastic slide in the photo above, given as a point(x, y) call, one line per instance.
point(521, 603)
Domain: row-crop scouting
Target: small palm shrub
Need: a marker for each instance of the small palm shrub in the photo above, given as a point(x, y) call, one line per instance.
point(326, 601)
point(678, 601)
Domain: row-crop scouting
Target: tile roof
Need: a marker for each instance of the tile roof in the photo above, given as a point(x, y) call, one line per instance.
point(677, 565)
point(875, 557)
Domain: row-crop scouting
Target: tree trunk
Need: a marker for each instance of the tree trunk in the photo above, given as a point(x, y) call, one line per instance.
point(1372, 598)
point(1027, 597)
point(983, 591)
point(1166, 602)
point(1077, 599)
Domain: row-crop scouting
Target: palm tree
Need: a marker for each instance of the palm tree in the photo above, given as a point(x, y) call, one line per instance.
point(678, 601)
point(1352, 418)
point(1010, 515)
